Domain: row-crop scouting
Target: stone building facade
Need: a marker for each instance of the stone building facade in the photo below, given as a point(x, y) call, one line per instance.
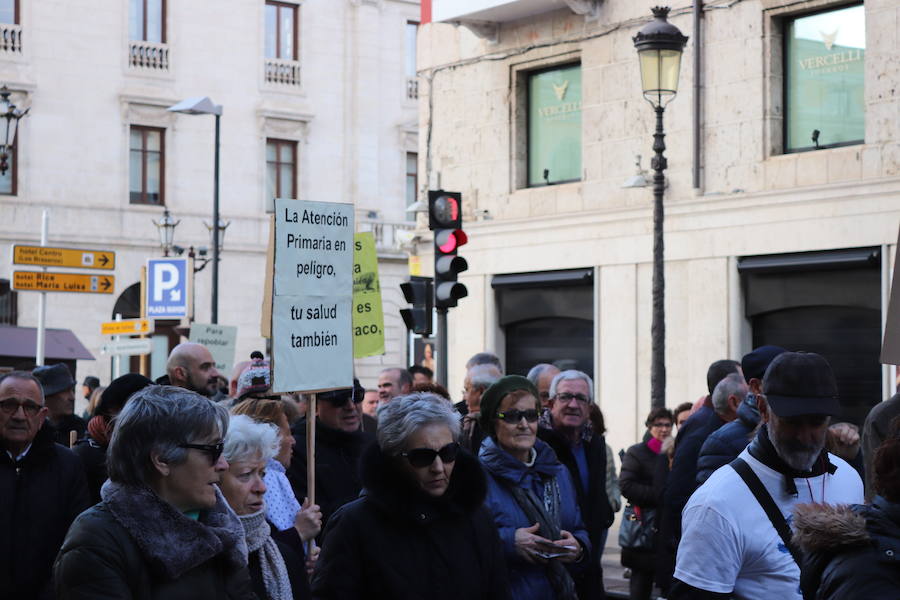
point(774, 241)
point(320, 95)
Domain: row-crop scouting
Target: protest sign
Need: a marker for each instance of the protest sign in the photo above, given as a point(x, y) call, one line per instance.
point(312, 339)
point(220, 340)
point(368, 316)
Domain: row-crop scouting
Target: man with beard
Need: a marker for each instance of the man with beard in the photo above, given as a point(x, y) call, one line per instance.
point(191, 366)
point(732, 546)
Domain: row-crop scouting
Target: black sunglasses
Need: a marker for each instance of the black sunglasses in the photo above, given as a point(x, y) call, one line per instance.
point(514, 416)
point(214, 451)
point(423, 457)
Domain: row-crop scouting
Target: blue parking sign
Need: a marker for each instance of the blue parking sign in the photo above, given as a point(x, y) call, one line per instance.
point(167, 288)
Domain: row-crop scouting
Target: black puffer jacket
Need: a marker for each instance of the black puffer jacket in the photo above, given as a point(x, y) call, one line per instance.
point(337, 467)
point(395, 542)
point(135, 546)
point(852, 552)
point(39, 498)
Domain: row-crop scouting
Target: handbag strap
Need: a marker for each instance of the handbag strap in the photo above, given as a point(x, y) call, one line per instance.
point(768, 505)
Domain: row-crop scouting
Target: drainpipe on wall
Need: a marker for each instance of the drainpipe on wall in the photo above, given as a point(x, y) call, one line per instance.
point(698, 13)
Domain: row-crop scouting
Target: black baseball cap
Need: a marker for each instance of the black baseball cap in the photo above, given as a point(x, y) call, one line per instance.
point(801, 383)
point(339, 397)
point(754, 364)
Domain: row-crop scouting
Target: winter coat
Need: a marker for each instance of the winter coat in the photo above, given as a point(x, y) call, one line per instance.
point(851, 552)
point(337, 467)
point(40, 496)
point(397, 543)
point(592, 501)
point(723, 445)
point(133, 545)
point(528, 581)
point(636, 478)
point(93, 457)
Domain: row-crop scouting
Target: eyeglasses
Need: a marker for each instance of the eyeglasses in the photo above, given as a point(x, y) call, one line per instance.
point(10, 407)
point(423, 457)
point(666, 425)
point(514, 416)
point(214, 451)
point(566, 398)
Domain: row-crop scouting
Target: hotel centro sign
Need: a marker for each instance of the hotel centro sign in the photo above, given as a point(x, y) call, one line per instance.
point(825, 79)
point(554, 125)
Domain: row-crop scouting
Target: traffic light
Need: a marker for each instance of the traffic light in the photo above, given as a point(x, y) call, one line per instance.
point(418, 291)
point(445, 220)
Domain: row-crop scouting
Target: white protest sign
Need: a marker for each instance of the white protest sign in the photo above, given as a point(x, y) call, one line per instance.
point(220, 341)
point(312, 338)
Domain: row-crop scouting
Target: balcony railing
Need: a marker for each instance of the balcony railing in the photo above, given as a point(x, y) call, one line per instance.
point(412, 88)
point(390, 237)
point(148, 55)
point(10, 38)
point(283, 72)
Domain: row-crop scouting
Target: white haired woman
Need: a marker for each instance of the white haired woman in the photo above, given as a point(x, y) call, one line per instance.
point(163, 529)
point(275, 569)
point(419, 529)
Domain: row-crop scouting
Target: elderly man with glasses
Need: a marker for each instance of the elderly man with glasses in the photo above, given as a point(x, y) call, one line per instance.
point(42, 489)
point(565, 426)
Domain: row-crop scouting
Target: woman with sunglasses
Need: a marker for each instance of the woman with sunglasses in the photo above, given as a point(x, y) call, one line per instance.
point(419, 529)
point(640, 464)
point(163, 529)
point(530, 494)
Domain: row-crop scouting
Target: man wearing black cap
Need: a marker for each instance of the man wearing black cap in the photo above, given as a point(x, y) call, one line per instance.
point(59, 394)
point(339, 444)
point(736, 527)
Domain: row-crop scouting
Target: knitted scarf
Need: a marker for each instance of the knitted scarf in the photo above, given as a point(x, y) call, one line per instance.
point(281, 504)
point(259, 539)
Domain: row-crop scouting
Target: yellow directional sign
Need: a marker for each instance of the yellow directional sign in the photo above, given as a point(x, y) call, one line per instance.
point(129, 327)
point(76, 258)
point(63, 282)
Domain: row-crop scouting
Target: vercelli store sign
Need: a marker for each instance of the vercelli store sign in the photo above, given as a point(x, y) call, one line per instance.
point(554, 125)
point(824, 79)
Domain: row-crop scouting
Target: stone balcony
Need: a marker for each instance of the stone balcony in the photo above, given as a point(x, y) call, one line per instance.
point(392, 239)
point(282, 72)
point(10, 38)
point(148, 56)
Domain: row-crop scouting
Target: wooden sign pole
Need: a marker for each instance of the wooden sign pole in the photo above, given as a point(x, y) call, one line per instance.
point(311, 459)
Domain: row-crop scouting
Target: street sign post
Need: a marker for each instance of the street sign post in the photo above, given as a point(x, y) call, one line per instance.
point(129, 327)
point(50, 281)
point(128, 347)
point(75, 258)
point(168, 287)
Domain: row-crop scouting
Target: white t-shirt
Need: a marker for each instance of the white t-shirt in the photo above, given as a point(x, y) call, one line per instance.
point(728, 543)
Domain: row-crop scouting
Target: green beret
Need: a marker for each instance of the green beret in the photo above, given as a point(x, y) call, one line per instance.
point(493, 396)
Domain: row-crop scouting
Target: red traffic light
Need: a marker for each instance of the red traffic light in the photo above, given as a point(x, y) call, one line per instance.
point(448, 240)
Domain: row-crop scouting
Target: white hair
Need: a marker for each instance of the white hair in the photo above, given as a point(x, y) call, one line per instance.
point(732, 385)
point(247, 439)
point(572, 374)
point(403, 416)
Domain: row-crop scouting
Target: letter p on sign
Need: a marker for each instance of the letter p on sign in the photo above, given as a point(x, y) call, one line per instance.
point(165, 277)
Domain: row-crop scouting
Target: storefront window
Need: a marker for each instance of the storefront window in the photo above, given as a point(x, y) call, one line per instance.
point(554, 126)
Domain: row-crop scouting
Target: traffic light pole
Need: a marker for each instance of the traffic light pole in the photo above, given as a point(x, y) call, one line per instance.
point(442, 346)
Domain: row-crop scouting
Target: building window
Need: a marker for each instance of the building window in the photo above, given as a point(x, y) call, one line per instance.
point(412, 81)
point(9, 304)
point(146, 21)
point(146, 163)
point(554, 125)
point(281, 169)
point(9, 179)
point(824, 79)
point(412, 182)
point(281, 30)
point(9, 12)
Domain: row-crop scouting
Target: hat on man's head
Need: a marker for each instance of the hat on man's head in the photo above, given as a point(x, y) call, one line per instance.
point(92, 382)
point(754, 364)
point(493, 396)
point(256, 378)
point(120, 389)
point(801, 383)
point(54, 378)
point(339, 397)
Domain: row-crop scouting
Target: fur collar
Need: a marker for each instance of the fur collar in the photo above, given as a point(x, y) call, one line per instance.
point(826, 527)
point(172, 543)
point(390, 489)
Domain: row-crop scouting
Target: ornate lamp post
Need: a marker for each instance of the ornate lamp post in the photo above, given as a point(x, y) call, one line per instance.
point(11, 114)
point(659, 45)
point(166, 227)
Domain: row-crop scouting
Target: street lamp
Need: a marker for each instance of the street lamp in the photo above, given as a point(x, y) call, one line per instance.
point(204, 106)
point(166, 227)
point(12, 115)
point(223, 225)
point(659, 45)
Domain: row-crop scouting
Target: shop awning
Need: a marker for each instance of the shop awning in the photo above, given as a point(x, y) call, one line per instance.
point(59, 344)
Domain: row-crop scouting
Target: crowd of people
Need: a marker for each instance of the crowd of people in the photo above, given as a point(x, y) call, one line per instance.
point(193, 486)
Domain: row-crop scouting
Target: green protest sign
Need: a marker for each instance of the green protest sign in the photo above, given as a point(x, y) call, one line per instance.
point(368, 316)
